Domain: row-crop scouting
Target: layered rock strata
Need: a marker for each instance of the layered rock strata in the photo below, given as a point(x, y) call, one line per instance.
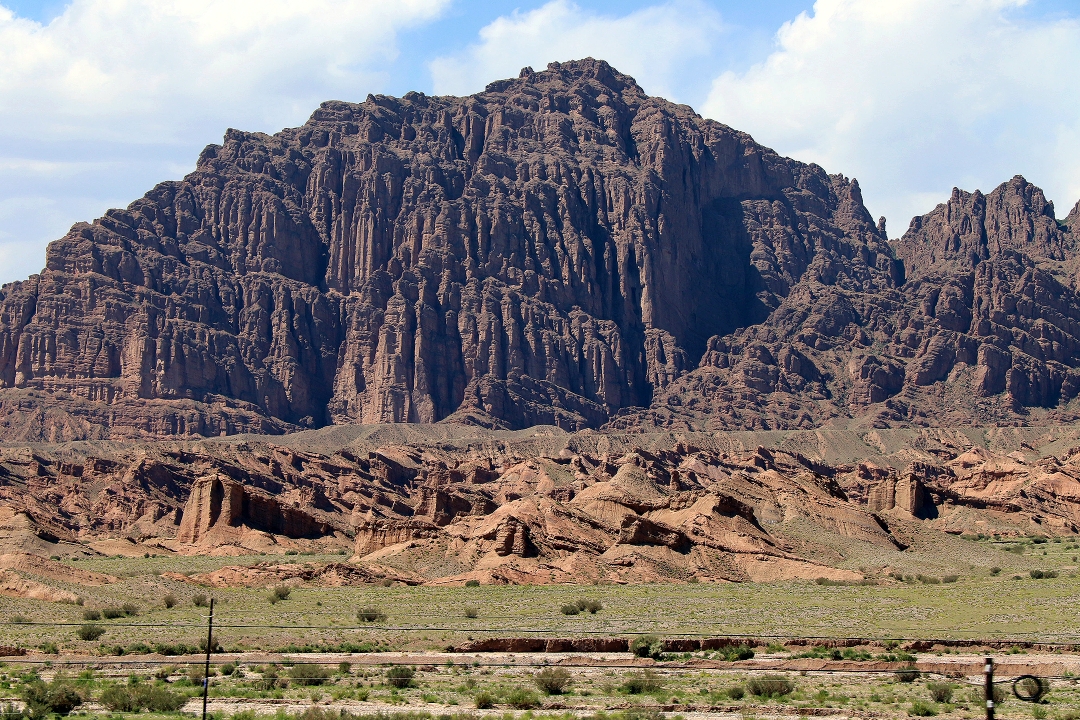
point(517, 509)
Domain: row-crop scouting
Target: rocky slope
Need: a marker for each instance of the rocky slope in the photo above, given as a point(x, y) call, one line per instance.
point(552, 250)
point(446, 507)
point(559, 249)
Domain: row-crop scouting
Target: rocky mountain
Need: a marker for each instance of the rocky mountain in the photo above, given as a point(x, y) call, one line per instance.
point(446, 504)
point(559, 249)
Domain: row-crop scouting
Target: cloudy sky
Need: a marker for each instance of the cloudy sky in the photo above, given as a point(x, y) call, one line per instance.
point(100, 99)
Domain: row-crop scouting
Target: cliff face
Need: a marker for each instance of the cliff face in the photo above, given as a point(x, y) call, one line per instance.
point(559, 249)
point(983, 329)
point(552, 250)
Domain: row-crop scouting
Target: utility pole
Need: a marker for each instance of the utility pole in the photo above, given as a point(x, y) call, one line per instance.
point(988, 671)
point(210, 645)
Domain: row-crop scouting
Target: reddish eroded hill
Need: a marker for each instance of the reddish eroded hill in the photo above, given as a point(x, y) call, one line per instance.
point(522, 509)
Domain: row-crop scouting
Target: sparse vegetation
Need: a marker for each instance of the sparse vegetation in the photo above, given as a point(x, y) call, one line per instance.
point(200, 600)
point(484, 700)
point(308, 674)
point(770, 686)
point(647, 646)
point(736, 692)
point(401, 676)
point(643, 681)
point(921, 708)
point(907, 675)
point(522, 699)
point(89, 632)
point(553, 681)
point(471, 612)
point(370, 614)
point(940, 692)
point(137, 696)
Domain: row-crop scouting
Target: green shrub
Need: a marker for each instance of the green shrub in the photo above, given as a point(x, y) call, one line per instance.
point(308, 674)
point(10, 712)
point(921, 708)
point(200, 600)
point(370, 614)
point(400, 676)
point(590, 605)
point(553, 681)
point(940, 691)
point(89, 632)
point(521, 699)
point(471, 612)
point(472, 583)
point(137, 697)
point(734, 653)
point(569, 609)
point(484, 699)
point(43, 699)
point(907, 675)
point(977, 696)
point(645, 681)
point(736, 692)
point(647, 646)
point(770, 686)
point(49, 648)
point(344, 667)
point(90, 614)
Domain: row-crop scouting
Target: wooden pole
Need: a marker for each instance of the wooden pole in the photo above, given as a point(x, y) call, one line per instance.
point(988, 671)
point(209, 647)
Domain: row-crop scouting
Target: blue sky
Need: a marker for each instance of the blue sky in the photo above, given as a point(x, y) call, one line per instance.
point(100, 99)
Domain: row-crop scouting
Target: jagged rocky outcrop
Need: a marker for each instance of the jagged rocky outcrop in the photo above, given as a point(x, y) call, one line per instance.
point(552, 250)
point(559, 249)
point(983, 329)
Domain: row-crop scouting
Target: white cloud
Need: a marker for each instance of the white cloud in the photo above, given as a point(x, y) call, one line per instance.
point(916, 96)
point(149, 82)
point(657, 45)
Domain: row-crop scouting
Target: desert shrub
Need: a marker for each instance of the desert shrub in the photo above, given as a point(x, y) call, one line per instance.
point(553, 681)
point(733, 653)
point(950, 578)
point(645, 681)
point(522, 699)
point(280, 592)
point(647, 646)
point(471, 612)
point(736, 692)
point(169, 601)
point(569, 609)
point(995, 570)
point(472, 583)
point(1031, 687)
point(400, 676)
point(89, 632)
point(977, 696)
point(928, 580)
point(215, 645)
point(229, 668)
point(484, 700)
point(921, 708)
point(370, 614)
point(195, 675)
point(770, 686)
point(10, 712)
point(907, 675)
point(940, 691)
point(90, 614)
point(590, 605)
point(130, 609)
point(308, 674)
point(43, 699)
point(136, 697)
point(1043, 574)
point(200, 600)
point(112, 613)
point(344, 667)
point(19, 619)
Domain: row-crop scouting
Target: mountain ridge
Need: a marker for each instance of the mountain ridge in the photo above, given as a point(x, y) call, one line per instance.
point(559, 249)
